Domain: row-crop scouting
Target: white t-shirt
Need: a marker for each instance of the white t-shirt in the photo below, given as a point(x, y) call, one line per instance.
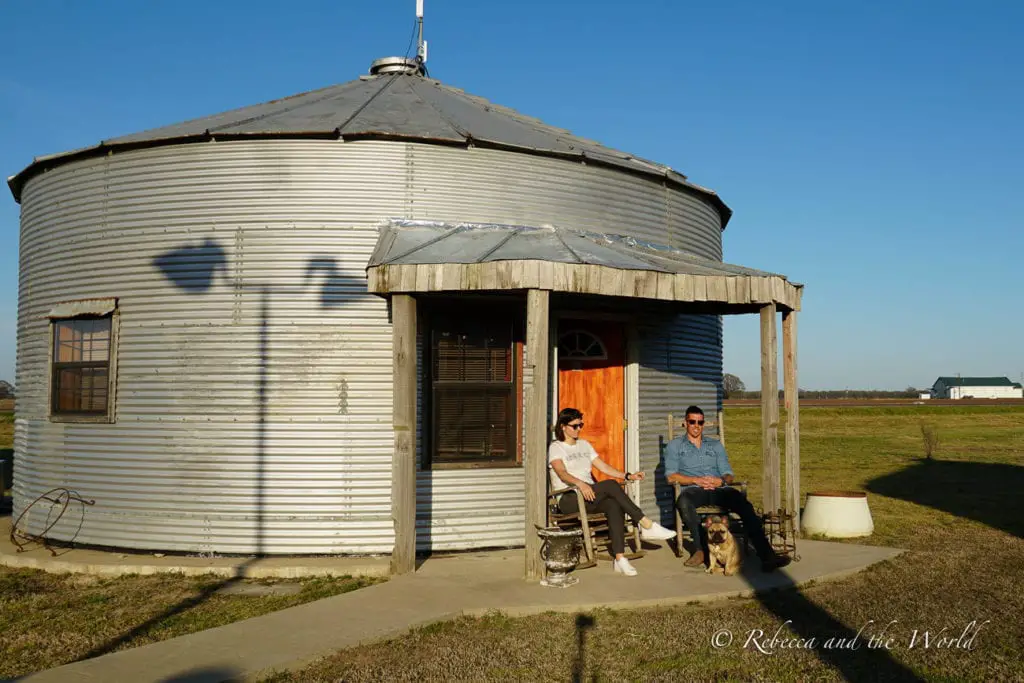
point(577, 459)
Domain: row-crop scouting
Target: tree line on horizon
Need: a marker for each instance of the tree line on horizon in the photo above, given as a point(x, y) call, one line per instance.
point(733, 387)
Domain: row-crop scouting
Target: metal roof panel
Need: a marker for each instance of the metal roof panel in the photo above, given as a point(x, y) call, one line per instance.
point(399, 105)
point(405, 242)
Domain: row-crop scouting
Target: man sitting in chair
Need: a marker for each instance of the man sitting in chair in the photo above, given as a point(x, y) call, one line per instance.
point(702, 468)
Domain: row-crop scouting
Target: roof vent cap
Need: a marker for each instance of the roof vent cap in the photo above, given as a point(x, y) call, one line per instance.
point(396, 65)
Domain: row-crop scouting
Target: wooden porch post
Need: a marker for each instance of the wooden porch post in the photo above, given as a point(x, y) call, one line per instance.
point(771, 495)
point(403, 462)
point(536, 397)
point(792, 415)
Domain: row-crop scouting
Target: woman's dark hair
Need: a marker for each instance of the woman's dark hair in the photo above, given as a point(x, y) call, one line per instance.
point(565, 416)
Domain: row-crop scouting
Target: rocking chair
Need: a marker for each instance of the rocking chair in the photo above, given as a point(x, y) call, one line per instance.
point(595, 527)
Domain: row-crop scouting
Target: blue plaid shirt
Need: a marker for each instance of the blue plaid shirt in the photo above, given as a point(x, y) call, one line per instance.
point(710, 460)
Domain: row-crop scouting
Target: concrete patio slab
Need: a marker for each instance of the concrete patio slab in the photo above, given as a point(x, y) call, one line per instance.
point(444, 588)
point(106, 563)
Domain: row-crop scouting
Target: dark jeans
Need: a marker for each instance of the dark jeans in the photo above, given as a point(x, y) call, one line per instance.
point(693, 497)
point(610, 499)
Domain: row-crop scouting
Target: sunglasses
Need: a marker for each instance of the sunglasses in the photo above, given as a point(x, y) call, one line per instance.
point(578, 425)
point(696, 422)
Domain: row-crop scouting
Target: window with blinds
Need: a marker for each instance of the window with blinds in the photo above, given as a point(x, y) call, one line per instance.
point(473, 389)
point(80, 384)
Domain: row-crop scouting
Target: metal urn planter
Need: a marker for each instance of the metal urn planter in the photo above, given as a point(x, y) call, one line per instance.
point(561, 554)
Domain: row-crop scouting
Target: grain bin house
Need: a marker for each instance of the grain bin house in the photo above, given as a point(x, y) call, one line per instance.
point(339, 322)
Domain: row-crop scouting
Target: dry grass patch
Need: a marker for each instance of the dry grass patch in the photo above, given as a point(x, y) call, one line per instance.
point(51, 619)
point(960, 516)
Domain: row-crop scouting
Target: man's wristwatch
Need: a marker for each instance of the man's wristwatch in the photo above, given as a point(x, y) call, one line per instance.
point(628, 475)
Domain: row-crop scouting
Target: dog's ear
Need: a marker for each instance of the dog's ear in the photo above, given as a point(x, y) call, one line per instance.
point(708, 521)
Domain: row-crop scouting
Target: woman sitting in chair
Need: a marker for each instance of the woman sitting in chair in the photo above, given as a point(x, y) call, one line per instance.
point(570, 459)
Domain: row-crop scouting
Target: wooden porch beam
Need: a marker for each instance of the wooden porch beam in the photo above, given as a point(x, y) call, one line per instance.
point(791, 388)
point(536, 397)
point(728, 293)
point(771, 495)
point(403, 462)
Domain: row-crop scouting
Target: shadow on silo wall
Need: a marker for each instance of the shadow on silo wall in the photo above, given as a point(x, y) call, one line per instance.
point(194, 269)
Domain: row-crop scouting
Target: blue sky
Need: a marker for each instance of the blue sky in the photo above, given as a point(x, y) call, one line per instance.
point(872, 150)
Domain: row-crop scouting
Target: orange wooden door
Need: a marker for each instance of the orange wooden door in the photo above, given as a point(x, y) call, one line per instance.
point(591, 378)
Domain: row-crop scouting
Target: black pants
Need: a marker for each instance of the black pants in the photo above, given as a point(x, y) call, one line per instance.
point(610, 499)
point(693, 497)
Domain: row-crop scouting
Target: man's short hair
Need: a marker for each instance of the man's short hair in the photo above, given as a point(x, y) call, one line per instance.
point(694, 410)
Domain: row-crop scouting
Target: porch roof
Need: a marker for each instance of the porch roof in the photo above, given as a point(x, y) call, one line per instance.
point(429, 256)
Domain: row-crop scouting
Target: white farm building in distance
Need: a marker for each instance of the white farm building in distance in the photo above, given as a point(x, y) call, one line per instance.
point(976, 387)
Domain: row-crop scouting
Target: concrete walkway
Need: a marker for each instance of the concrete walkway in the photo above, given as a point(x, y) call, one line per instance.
point(443, 588)
point(101, 563)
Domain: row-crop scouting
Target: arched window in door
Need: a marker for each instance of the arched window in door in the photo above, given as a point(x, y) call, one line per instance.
point(581, 345)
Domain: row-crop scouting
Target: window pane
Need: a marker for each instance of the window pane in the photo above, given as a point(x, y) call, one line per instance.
point(473, 423)
point(81, 390)
point(82, 340)
point(473, 352)
point(472, 365)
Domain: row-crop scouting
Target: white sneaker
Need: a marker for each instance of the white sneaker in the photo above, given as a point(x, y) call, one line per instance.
point(622, 566)
point(656, 533)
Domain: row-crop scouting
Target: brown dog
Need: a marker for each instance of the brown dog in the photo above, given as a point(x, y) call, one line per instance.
point(725, 556)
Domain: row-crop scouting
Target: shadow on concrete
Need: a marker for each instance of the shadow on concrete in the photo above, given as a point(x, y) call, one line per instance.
point(215, 674)
point(984, 492)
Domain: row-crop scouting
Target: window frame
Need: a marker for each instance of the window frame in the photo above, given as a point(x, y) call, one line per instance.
point(433, 315)
point(603, 355)
point(109, 416)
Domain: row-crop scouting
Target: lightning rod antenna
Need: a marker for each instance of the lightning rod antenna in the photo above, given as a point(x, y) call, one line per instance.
point(421, 46)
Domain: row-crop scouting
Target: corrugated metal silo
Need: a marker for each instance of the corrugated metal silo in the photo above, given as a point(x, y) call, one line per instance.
point(253, 369)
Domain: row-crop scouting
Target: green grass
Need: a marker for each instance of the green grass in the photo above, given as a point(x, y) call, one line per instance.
point(958, 514)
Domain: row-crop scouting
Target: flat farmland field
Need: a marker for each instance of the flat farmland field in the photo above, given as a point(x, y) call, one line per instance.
point(959, 514)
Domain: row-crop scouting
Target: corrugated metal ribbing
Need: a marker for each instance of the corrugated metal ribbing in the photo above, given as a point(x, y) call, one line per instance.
point(680, 365)
point(481, 185)
point(471, 508)
point(254, 372)
point(695, 224)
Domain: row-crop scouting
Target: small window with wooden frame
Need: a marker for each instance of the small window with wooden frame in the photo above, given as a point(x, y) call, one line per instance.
point(82, 367)
point(475, 387)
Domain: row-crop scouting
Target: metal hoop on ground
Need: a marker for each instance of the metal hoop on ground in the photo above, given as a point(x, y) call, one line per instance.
point(59, 499)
